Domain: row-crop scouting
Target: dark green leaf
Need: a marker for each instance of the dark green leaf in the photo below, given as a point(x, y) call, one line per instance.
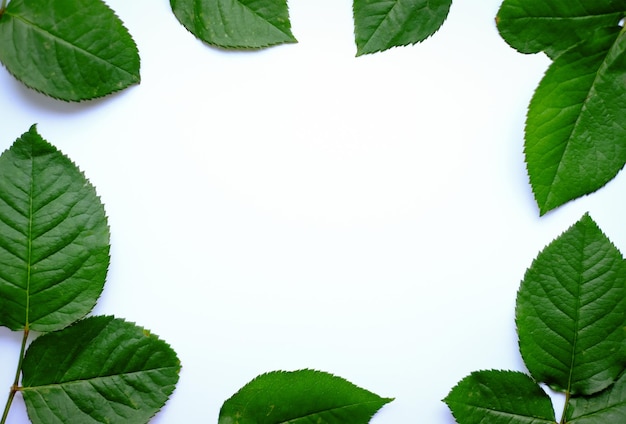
point(570, 313)
point(239, 24)
point(54, 249)
point(99, 370)
point(499, 397)
point(68, 49)
point(300, 397)
point(382, 24)
point(575, 127)
point(605, 408)
point(553, 26)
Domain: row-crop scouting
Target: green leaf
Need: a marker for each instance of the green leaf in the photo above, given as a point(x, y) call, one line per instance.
point(499, 397)
point(300, 397)
point(236, 24)
point(68, 49)
point(54, 249)
point(570, 312)
point(553, 26)
point(99, 370)
point(382, 24)
point(575, 127)
point(608, 406)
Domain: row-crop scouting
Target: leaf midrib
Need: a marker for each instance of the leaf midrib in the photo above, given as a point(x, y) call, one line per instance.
point(569, 18)
point(66, 43)
point(382, 21)
point(576, 124)
point(198, 9)
point(310, 414)
point(508, 414)
point(29, 238)
point(91, 379)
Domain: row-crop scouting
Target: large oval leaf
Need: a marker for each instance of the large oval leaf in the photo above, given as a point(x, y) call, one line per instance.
point(499, 397)
point(300, 397)
point(68, 49)
point(553, 26)
point(382, 24)
point(571, 312)
point(575, 128)
point(54, 249)
point(99, 370)
point(239, 24)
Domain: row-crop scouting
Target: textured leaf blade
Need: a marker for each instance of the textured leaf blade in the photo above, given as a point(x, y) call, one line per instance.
point(575, 128)
point(570, 312)
point(606, 407)
point(382, 24)
point(499, 397)
point(100, 369)
point(300, 397)
point(236, 24)
point(68, 49)
point(54, 249)
point(554, 26)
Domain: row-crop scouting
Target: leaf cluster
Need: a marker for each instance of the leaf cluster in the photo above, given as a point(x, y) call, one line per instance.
point(571, 323)
point(574, 135)
point(54, 256)
point(77, 50)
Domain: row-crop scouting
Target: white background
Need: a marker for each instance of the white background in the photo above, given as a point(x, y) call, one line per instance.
point(299, 207)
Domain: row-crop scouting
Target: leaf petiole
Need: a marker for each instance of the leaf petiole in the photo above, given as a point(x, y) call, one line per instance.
point(15, 387)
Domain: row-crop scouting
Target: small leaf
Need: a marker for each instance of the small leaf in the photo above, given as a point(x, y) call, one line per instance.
point(575, 128)
point(68, 49)
point(570, 312)
point(99, 370)
point(553, 26)
point(499, 397)
point(54, 249)
point(608, 406)
point(304, 396)
point(382, 24)
point(238, 24)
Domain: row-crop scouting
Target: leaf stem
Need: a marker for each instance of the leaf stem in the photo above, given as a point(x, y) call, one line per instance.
point(563, 421)
point(15, 387)
point(3, 7)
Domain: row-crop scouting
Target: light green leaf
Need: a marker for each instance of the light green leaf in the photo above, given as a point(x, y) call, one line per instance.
point(553, 26)
point(382, 24)
point(576, 124)
point(236, 24)
point(68, 49)
point(499, 397)
point(99, 370)
point(608, 406)
point(54, 249)
point(570, 312)
point(300, 397)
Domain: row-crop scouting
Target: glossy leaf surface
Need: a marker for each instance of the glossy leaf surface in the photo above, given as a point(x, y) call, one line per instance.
point(570, 312)
point(382, 24)
point(554, 26)
point(236, 24)
point(300, 397)
point(499, 397)
point(576, 124)
point(606, 407)
point(54, 249)
point(101, 369)
point(68, 49)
